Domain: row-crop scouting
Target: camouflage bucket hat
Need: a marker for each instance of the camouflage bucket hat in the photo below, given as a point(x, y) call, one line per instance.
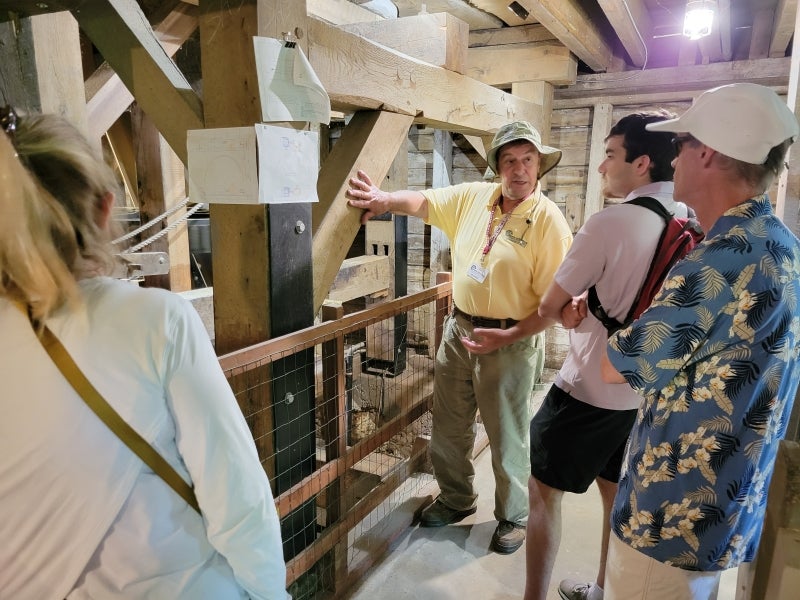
point(522, 130)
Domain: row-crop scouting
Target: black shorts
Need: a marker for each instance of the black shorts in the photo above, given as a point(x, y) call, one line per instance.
point(572, 442)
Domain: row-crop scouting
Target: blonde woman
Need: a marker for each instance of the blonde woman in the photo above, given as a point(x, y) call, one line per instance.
point(81, 516)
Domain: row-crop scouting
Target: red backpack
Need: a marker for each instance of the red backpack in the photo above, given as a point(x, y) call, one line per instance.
point(677, 239)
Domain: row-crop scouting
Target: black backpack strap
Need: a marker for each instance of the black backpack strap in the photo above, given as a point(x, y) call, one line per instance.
point(652, 204)
point(593, 300)
point(596, 308)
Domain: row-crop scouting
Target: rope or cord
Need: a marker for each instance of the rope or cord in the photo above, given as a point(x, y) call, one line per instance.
point(149, 224)
point(164, 231)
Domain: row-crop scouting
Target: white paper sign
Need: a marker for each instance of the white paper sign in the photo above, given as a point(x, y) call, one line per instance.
point(288, 86)
point(222, 165)
point(288, 164)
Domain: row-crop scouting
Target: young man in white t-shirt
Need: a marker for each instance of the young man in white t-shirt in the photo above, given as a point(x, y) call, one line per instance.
point(579, 433)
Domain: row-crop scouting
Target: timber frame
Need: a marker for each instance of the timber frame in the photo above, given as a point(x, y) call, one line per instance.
point(463, 69)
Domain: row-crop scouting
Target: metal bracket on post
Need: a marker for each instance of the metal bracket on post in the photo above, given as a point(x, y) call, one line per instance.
point(136, 265)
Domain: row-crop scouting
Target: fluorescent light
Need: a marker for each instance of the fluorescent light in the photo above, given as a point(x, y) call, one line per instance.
point(699, 18)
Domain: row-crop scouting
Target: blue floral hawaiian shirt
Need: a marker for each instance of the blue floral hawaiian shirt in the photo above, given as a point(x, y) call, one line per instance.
point(716, 360)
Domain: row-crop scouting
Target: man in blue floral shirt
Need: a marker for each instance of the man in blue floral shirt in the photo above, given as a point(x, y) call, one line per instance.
point(715, 359)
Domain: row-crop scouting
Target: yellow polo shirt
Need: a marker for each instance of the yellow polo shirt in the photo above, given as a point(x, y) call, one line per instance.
point(523, 259)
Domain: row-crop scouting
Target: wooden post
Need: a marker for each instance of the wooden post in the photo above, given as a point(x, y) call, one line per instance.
point(42, 69)
point(162, 184)
point(601, 125)
point(442, 177)
point(262, 254)
point(787, 204)
point(774, 572)
point(540, 92)
point(334, 416)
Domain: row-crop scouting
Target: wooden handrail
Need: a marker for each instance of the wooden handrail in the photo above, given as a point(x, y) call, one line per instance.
point(270, 350)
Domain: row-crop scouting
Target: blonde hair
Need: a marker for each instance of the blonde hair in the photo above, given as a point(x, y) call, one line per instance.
point(53, 184)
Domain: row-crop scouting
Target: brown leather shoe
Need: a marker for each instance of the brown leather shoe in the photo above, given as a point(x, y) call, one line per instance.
point(508, 537)
point(439, 515)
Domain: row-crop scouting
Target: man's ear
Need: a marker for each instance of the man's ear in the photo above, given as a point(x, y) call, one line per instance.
point(642, 164)
point(707, 155)
point(104, 205)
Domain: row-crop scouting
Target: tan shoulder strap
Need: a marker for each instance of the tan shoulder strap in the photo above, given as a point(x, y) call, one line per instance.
point(111, 418)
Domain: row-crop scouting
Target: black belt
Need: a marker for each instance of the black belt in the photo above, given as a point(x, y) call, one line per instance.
point(485, 321)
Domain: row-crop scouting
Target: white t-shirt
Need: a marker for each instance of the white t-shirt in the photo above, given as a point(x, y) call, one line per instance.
point(80, 515)
point(612, 251)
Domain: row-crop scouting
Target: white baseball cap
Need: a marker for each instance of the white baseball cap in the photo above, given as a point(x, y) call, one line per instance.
point(741, 120)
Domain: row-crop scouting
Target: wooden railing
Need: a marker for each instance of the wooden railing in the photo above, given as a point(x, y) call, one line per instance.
point(328, 341)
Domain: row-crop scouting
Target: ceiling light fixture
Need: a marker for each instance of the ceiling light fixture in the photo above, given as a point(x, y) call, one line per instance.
point(519, 10)
point(699, 18)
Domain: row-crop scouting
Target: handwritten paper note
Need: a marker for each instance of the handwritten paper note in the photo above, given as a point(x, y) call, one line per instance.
point(288, 164)
point(222, 165)
point(288, 86)
point(263, 164)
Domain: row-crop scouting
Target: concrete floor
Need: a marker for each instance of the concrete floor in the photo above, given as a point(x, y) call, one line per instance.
point(454, 562)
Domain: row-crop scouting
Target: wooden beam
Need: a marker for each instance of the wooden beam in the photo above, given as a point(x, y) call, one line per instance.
point(522, 34)
point(771, 72)
point(725, 30)
point(40, 66)
point(340, 12)
point(438, 39)
point(540, 92)
point(162, 185)
point(398, 83)
point(787, 202)
point(126, 40)
point(643, 99)
point(761, 34)
point(278, 17)
point(158, 10)
point(289, 235)
point(480, 143)
point(26, 8)
point(107, 97)
point(361, 276)
point(710, 46)
point(687, 52)
point(502, 65)
point(777, 564)
point(575, 28)
point(238, 233)
point(631, 22)
point(783, 27)
point(442, 176)
point(58, 66)
point(601, 125)
point(500, 9)
point(567, 20)
point(370, 142)
point(474, 17)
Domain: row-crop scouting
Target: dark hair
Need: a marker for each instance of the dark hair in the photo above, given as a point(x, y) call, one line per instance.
point(637, 141)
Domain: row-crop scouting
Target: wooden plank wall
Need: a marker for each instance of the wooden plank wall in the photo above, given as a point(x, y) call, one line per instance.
point(468, 165)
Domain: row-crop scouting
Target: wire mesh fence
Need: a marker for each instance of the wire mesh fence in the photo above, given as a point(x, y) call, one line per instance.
point(340, 414)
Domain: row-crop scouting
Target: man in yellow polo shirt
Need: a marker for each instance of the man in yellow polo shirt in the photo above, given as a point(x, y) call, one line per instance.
point(507, 241)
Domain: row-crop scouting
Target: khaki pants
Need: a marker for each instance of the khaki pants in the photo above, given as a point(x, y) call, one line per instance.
point(498, 384)
point(631, 575)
